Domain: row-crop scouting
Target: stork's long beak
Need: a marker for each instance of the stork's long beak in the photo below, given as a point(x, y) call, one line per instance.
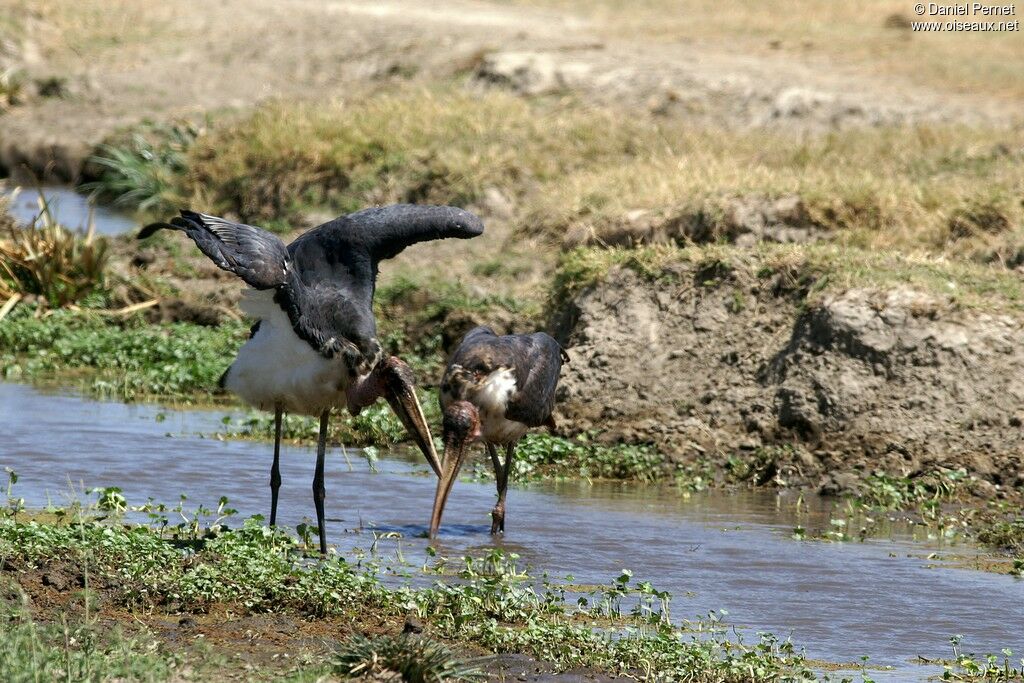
point(400, 393)
point(454, 454)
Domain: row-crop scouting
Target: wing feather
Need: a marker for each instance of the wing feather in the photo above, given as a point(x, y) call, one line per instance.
point(538, 366)
point(253, 254)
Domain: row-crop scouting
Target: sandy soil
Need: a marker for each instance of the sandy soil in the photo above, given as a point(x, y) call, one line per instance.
point(163, 60)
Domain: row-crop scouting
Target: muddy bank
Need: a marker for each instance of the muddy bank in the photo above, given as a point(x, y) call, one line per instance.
point(231, 642)
point(717, 361)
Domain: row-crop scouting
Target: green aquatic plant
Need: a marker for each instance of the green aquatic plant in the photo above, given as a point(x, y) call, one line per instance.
point(125, 359)
point(989, 668)
point(1003, 533)
point(495, 604)
point(543, 455)
point(883, 490)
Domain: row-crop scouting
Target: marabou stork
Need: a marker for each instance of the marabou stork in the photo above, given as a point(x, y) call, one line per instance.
point(494, 389)
point(314, 345)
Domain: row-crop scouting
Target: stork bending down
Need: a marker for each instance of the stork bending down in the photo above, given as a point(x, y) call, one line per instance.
point(314, 346)
point(494, 389)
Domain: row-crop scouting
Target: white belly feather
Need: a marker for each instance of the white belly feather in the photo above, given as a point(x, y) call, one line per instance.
point(276, 367)
point(491, 399)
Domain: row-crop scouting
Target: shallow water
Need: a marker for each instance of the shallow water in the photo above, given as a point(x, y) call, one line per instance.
point(839, 601)
point(70, 209)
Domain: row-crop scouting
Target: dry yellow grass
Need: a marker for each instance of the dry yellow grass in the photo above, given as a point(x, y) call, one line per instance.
point(948, 189)
point(48, 260)
point(813, 270)
point(441, 145)
point(65, 32)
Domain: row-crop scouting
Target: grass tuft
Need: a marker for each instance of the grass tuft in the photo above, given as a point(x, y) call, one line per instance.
point(909, 188)
point(75, 649)
point(412, 658)
point(812, 271)
point(144, 170)
point(439, 145)
point(49, 261)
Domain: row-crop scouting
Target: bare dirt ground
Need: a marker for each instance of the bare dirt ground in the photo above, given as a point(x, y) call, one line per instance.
point(121, 64)
point(709, 364)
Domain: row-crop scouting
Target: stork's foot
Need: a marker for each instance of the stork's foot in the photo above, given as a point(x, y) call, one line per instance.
point(498, 519)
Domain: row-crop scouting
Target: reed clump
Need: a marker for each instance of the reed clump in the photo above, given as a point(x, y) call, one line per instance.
point(45, 259)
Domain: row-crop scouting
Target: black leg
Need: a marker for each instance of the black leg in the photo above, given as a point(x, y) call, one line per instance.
point(510, 451)
point(275, 469)
point(501, 473)
point(319, 493)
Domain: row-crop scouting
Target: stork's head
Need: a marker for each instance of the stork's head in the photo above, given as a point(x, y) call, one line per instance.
point(461, 425)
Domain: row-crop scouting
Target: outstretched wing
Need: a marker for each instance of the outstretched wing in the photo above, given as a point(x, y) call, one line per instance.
point(538, 363)
point(337, 266)
point(251, 253)
point(382, 232)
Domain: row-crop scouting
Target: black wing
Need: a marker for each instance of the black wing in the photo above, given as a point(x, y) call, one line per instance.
point(390, 229)
point(535, 360)
point(251, 253)
point(336, 266)
point(383, 232)
point(539, 363)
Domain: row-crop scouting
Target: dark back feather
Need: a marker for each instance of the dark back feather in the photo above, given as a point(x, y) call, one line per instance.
point(535, 360)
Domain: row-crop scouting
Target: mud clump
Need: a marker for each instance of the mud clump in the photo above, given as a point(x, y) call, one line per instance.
point(849, 382)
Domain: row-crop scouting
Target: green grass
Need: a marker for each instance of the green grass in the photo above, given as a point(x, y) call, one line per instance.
point(490, 603)
point(494, 605)
point(413, 658)
point(127, 359)
point(812, 270)
point(142, 169)
point(374, 426)
point(77, 649)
